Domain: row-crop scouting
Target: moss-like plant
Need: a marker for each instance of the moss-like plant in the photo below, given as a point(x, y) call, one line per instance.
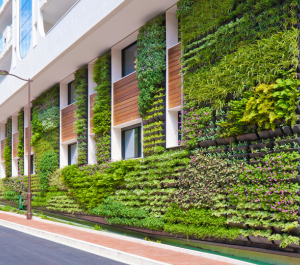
point(81, 86)
point(102, 108)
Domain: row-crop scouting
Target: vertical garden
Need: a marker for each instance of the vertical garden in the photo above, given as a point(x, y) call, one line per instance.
point(235, 176)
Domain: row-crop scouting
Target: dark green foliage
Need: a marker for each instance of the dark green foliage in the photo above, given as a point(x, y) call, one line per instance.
point(102, 108)
point(203, 180)
point(151, 61)
point(47, 165)
point(90, 190)
point(118, 213)
point(7, 153)
point(81, 93)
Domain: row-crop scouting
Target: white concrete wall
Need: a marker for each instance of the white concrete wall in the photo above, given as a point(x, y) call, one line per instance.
point(172, 114)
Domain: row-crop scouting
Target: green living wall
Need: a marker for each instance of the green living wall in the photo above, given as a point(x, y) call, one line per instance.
point(81, 124)
point(102, 108)
point(234, 179)
point(45, 134)
point(150, 69)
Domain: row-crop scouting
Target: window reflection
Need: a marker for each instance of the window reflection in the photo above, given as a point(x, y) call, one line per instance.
point(25, 26)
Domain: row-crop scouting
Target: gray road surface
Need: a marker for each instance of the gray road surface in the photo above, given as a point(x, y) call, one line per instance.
point(19, 248)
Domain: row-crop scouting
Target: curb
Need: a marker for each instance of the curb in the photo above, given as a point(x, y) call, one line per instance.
point(109, 253)
point(136, 240)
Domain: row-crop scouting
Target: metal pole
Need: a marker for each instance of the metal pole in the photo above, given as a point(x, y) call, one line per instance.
point(29, 215)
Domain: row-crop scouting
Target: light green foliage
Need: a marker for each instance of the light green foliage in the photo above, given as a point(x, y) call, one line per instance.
point(81, 86)
point(257, 63)
point(45, 138)
point(152, 183)
point(197, 222)
point(56, 180)
point(102, 108)
point(273, 102)
point(47, 165)
point(151, 61)
point(63, 203)
point(118, 213)
point(90, 190)
point(49, 119)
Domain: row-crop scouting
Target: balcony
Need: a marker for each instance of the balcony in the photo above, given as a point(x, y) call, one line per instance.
point(6, 50)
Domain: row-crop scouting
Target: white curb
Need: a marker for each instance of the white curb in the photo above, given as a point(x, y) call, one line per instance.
point(127, 238)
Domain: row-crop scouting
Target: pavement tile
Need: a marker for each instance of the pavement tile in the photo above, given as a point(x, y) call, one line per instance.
point(151, 252)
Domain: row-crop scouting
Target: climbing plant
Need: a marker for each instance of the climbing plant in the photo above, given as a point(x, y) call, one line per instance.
point(20, 148)
point(8, 148)
point(81, 86)
point(102, 108)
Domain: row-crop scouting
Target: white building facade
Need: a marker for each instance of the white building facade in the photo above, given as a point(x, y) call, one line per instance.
point(48, 40)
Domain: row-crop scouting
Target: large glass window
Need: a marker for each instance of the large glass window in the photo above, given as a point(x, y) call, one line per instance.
point(131, 142)
point(25, 26)
point(71, 93)
point(72, 154)
point(129, 55)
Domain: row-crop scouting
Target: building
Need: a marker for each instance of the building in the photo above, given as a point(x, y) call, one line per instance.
point(48, 40)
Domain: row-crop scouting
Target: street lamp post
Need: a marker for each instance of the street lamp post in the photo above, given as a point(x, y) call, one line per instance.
point(29, 214)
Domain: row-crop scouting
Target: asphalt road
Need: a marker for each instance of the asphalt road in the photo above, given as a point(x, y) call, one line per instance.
point(19, 248)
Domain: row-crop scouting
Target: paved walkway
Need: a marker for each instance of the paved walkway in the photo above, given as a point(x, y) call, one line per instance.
point(150, 250)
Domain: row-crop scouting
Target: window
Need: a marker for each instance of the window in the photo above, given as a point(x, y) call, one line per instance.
point(71, 93)
point(72, 154)
point(131, 142)
point(31, 164)
point(25, 26)
point(129, 55)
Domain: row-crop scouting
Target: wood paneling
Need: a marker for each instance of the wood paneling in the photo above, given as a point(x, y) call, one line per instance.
point(174, 76)
point(126, 93)
point(92, 101)
point(26, 141)
point(2, 149)
point(68, 123)
point(15, 144)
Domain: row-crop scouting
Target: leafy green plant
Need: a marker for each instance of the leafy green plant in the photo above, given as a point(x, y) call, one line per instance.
point(81, 86)
point(102, 108)
point(47, 165)
point(7, 153)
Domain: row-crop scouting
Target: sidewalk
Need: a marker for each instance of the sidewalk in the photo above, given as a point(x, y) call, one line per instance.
point(125, 249)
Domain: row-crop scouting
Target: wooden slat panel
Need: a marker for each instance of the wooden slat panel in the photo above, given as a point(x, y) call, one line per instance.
point(2, 149)
point(174, 76)
point(26, 141)
point(92, 101)
point(68, 123)
point(15, 144)
point(125, 96)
